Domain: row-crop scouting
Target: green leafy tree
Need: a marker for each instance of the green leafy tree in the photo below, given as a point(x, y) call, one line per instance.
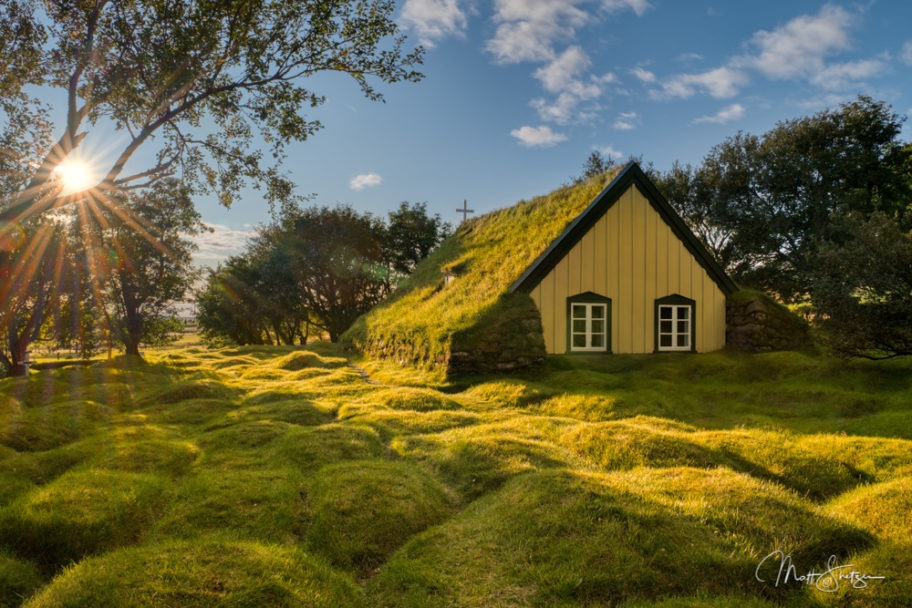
point(862, 287)
point(775, 197)
point(698, 202)
point(201, 78)
point(411, 234)
point(229, 305)
point(145, 261)
point(33, 252)
point(340, 264)
point(319, 267)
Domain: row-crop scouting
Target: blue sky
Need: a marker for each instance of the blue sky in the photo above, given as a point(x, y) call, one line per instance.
point(518, 93)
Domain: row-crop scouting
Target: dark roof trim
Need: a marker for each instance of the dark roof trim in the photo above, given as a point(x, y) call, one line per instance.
point(629, 176)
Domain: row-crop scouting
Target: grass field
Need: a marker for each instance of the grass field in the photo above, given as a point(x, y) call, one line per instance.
point(268, 476)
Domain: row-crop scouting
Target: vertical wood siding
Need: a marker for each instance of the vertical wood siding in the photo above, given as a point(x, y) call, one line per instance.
point(631, 256)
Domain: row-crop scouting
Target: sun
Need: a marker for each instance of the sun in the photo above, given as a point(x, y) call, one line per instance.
point(76, 176)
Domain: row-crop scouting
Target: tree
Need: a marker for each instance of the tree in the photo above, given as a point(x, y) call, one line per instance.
point(411, 234)
point(776, 197)
point(339, 263)
point(32, 253)
point(148, 265)
point(697, 201)
point(172, 70)
point(862, 287)
point(229, 304)
point(319, 266)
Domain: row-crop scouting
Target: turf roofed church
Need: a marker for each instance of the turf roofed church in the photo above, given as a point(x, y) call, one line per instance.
point(590, 268)
point(627, 276)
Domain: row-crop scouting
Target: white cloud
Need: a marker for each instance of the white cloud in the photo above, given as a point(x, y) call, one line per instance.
point(798, 48)
point(637, 6)
point(643, 75)
point(433, 20)
point(842, 75)
point(527, 30)
point(219, 244)
point(626, 121)
point(720, 83)
point(688, 57)
point(537, 137)
point(611, 152)
point(366, 180)
point(537, 31)
point(905, 54)
point(563, 72)
point(723, 116)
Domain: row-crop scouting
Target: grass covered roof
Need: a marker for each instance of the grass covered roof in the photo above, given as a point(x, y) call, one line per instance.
point(486, 255)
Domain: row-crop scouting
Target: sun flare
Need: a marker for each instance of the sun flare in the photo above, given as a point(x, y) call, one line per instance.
point(76, 176)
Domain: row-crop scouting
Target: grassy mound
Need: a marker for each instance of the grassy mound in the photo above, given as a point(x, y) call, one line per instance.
point(264, 504)
point(883, 508)
point(309, 449)
point(200, 574)
point(362, 511)
point(49, 426)
point(81, 513)
point(564, 538)
point(18, 579)
point(479, 458)
point(627, 481)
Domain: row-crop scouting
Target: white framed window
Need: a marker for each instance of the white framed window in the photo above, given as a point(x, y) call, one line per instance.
point(588, 319)
point(675, 324)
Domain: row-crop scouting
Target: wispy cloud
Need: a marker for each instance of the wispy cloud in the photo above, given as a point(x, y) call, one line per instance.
point(723, 116)
point(849, 74)
point(637, 6)
point(365, 180)
point(610, 152)
point(626, 121)
point(720, 83)
point(798, 48)
point(905, 54)
point(643, 75)
point(527, 30)
point(542, 31)
point(219, 244)
point(801, 49)
point(537, 137)
point(433, 20)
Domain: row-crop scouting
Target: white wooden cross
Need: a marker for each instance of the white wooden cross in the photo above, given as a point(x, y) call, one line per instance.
point(465, 211)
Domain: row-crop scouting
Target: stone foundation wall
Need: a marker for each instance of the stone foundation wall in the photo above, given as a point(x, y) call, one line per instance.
point(754, 322)
point(508, 338)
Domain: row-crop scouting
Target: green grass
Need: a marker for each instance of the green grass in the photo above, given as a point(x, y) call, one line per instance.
point(277, 476)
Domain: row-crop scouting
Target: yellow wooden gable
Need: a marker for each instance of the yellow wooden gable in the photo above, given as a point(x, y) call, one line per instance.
point(628, 276)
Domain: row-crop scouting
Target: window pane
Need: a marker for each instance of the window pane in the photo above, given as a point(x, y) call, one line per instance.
point(579, 326)
point(665, 327)
point(683, 312)
point(598, 311)
point(664, 341)
point(683, 327)
point(664, 312)
point(579, 341)
point(598, 341)
point(579, 311)
point(598, 326)
point(683, 340)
